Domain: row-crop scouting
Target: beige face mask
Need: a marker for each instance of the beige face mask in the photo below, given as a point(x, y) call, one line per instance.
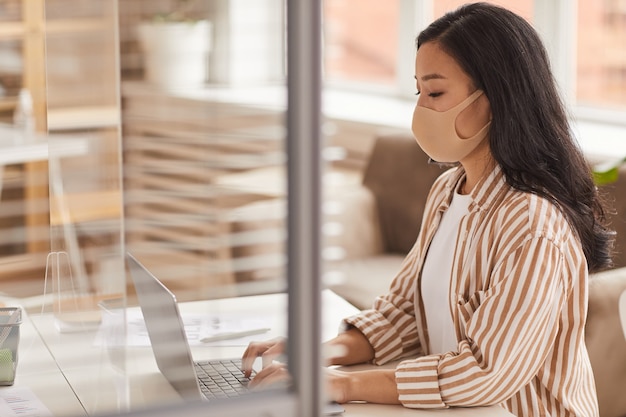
point(435, 132)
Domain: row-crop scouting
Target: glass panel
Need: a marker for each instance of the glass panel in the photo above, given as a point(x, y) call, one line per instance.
point(351, 53)
point(84, 274)
point(83, 124)
point(203, 105)
point(601, 53)
point(204, 156)
point(193, 144)
point(183, 166)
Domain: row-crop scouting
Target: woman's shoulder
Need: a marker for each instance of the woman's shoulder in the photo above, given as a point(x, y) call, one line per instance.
point(539, 215)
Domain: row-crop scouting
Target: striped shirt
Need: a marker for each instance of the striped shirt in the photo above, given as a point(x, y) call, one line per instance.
point(518, 300)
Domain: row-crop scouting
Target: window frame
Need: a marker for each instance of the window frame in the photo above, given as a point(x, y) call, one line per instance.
point(556, 22)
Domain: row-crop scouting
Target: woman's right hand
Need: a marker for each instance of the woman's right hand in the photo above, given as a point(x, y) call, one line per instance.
point(268, 351)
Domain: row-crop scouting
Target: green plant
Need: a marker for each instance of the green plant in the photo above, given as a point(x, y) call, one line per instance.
point(607, 172)
point(179, 14)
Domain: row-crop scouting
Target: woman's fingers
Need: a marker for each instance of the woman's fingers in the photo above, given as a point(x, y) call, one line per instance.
point(268, 350)
point(270, 376)
point(272, 353)
point(337, 382)
point(253, 351)
point(337, 385)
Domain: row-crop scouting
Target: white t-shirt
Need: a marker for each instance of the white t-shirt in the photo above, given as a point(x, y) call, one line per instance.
point(436, 275)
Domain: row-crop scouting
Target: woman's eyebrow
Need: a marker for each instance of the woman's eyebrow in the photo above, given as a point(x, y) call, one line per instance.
point(433, 76)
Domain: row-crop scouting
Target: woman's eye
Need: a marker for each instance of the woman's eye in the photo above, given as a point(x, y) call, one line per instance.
point(434, 95)
point(418, 93)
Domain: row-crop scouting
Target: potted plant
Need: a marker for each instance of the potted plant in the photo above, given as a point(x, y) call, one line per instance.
point(607, 172)
point(176, 48)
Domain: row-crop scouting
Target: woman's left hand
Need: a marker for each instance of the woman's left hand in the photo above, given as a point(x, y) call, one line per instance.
point(270, 376)
point(337, 383)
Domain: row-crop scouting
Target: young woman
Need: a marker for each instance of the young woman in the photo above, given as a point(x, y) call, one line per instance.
point(490, 304)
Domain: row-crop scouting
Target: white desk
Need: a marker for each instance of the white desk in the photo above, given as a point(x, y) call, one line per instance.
point(13, 150)
point(37, 371)
point(111, 379)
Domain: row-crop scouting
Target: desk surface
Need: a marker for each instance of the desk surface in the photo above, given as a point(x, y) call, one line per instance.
point(16, 151)
point(74, 375)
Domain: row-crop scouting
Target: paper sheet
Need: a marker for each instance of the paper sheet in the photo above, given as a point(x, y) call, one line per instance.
point(197, 326)
point(21, 402)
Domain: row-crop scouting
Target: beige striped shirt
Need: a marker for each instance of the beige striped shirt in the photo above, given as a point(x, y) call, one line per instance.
point(518, 299)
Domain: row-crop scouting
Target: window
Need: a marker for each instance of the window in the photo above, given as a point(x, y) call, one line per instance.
point(601, 53)
point(523, 7)
point(368, 44)
point(360, 41)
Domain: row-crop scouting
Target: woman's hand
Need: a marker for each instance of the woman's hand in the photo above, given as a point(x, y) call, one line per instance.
point(377, 386)
point(273, 373)
point(271, 376)
point(267, 350)
point(338, 385)
point(374, 386)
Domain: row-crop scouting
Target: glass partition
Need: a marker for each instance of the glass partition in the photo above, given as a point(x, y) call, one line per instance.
point(204, 144)
point(167, 138)
point(82, 320)
point(181, 176)
point(85, 184)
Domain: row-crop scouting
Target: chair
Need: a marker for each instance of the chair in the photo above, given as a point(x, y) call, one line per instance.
point(605, 340)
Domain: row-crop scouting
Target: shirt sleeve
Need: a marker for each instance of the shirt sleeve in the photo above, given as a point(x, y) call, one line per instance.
point(510, 329)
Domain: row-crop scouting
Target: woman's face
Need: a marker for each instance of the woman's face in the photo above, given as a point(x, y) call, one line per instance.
point(442, 84)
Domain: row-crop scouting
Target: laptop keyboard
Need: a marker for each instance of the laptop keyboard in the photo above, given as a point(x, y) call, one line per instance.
point(221, 378)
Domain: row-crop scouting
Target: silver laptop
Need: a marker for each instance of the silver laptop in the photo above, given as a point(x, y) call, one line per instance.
point(192, 380)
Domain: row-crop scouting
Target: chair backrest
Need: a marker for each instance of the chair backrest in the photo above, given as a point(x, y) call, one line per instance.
point(400, 177)
point(605, 340)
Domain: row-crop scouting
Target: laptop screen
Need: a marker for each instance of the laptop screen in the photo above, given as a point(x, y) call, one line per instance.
point(165, 330)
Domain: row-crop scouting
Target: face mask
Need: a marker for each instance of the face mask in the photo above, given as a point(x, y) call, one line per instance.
point(435, 132)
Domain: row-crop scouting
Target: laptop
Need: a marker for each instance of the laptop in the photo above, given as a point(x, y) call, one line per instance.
point(193, 380)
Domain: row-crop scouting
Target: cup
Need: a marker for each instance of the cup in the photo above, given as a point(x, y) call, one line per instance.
point(10, 320)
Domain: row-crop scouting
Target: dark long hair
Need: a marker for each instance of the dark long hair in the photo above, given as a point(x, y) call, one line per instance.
point(530, 136)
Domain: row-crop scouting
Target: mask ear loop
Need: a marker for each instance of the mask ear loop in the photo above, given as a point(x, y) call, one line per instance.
point(431, 161)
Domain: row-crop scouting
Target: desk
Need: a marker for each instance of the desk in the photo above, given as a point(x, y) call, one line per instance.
point(14, 150)
point(45, 148)
point(107, 379)
point(38, 371)
point(18, 153)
